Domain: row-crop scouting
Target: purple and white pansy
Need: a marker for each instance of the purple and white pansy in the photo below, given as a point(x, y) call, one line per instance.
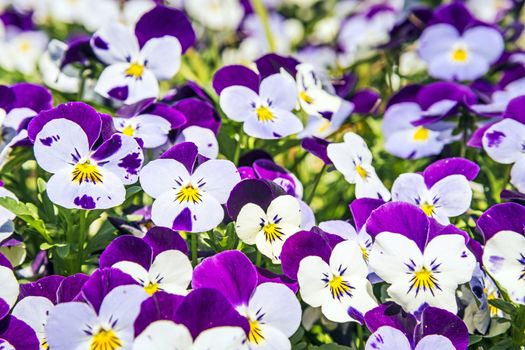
point(272, 310)
point(354, 160)
point(339, 287)
point(264, 108)
point(138, 60)
point(442, 190)
point(457, 46)
point(86, 326)
point(158, 262)
point(414, 125)
point(423, 261)
point(84, 176)
point(503, 227)
point(188, 196)
point(436, 329)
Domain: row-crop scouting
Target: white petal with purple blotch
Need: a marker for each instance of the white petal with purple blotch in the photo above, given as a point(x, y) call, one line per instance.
point(115, 43)
point(504, 259)
point(116, 82)
point(504, 141)
point(124, 161)
point(64, 188)
point(60, 143)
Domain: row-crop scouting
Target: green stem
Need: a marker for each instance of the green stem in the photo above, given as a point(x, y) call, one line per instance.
point(316, 183)
point(194, 256)
point(360, 341)
point(258, 259)
point(83, 229)
point(259, 8)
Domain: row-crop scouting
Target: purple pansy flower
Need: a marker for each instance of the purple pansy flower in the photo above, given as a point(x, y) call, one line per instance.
point(10, 289)
point(188, 197)
point(158, 262)
point(84, 176)
point(456, 46)
point(442, 190)
point(503, 227)
point(138, 60)
point(272, 309)
point(437, 329)
point(413, 125)
point(16, 334)
point(265, 108)
point(423, 261)
point(202, 320)
point(83, 325)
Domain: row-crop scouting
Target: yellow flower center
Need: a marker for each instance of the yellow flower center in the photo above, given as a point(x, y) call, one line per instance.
point(264, 114)
point(361, 171)
point(44, 344)
point(105, 340)
point(303, 95)
point(421, 134)
point(272, 232)
point(364, 252)
point(326, 124)
point(25, 46)
point(86, 172)
point(255, 335)
point(135, 70)
point(151, 288)
point(338, 287)
point(128, 130)
point(427, 208)
point(424, 279)
point(459, 55)
point(189, 194)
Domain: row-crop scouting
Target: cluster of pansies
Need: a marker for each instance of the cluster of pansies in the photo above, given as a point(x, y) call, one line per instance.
point(262, 174)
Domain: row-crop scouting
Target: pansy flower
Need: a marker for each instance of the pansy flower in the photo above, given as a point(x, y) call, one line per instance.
point(10, 290)
point(158, 262)
point(204, 319)
point(339, 287)
point(138, 60)
point(457, 46)
point(264, 168)
point(423, 261)
point(272, 309)
point(413, 123)
point(84, 176)
point(38, 298)
point(503, 227)
point(84, 326)
point(354, 160)
point(442, 190)
point(264, 108)
point(504, 141)
point(188, 196)
point(16, 334)
point(149, 121)
point(266, 222)
point(436, 329)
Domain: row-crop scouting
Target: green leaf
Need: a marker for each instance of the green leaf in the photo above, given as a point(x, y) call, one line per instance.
point(473, 339)
point(28, 213)
point(503, 305)
point(132, 190)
